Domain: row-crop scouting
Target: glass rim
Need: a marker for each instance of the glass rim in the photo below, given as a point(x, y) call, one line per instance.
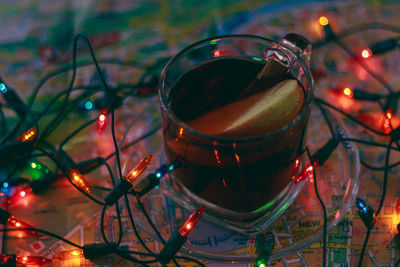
point(163, 97)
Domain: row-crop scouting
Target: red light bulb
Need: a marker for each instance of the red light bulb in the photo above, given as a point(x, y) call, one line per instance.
point(102, 118)
point(32, 261)
point(101, 121)
point(178, 238)
point(22, 193)
point(190, 223)
point(4, 258)
point(15, 223)
point(366, 53)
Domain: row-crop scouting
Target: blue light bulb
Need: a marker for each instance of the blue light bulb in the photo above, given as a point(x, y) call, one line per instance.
point(360, 203)
point(3, 88)
point(171, 167)
point(88, 105)
point(365, 209)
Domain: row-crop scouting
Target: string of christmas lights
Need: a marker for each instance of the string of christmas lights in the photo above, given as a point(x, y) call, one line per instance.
point(31, 140)
point(67, 165)
point(366, 212)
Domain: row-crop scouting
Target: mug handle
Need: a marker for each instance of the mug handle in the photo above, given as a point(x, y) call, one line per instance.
point(299, 44)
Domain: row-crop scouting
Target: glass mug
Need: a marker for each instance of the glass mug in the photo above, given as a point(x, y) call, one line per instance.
point(245, 182)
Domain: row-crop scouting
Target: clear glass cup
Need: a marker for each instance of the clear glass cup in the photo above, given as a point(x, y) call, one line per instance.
point(244, 181)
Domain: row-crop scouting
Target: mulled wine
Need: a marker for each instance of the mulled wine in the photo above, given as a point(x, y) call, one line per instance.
point(242, 134)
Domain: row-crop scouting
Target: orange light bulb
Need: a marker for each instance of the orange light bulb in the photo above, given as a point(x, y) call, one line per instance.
point(138, 169)
point(78, 180)
point(348, 92)
point(27, 136)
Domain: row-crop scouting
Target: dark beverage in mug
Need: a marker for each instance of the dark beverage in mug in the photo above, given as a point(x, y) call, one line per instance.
point(239, 147)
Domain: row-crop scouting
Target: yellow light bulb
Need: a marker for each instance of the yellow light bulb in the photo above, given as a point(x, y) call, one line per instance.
point(323, 21)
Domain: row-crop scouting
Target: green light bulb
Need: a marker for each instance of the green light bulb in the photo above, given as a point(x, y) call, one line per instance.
point(256, 58)
point(260, 263)
point(36, 170)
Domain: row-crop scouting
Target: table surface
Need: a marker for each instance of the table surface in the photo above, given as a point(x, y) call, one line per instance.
point(35, 40)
